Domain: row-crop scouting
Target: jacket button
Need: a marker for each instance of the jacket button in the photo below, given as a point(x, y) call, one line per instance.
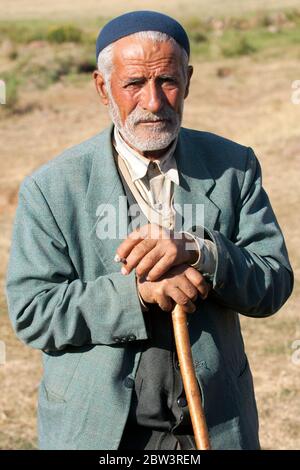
point(220, 285)
point(182, 402)
point(128, 382)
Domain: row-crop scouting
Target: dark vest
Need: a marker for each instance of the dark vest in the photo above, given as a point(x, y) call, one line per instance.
point(159, 417)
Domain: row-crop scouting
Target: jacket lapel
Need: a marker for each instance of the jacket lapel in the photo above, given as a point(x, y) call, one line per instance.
point(106, 200)
point(106, 203)
point(194, 195)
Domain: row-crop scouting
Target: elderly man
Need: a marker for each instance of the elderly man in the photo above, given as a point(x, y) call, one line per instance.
point(111, 375)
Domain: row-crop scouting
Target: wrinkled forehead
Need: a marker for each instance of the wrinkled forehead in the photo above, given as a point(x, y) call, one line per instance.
point(132, 51)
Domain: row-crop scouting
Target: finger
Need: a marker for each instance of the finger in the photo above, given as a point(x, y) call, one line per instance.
point(131, 241)
point(148, 261)
point(181, 299)
point(198, 281)
point(160, 268)
point(150, 231)
point(137, 254)
point(188, 288)
point(166, 303)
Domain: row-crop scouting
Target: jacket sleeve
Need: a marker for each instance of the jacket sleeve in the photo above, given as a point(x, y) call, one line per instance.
point(49, 306)
point(253, 275)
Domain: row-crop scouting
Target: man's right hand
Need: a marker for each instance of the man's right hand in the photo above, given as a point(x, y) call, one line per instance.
point(181, 284)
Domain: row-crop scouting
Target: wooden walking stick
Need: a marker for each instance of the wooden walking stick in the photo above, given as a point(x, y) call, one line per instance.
point(189, 379)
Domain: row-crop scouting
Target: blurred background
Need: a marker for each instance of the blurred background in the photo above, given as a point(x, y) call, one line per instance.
point(246, 56)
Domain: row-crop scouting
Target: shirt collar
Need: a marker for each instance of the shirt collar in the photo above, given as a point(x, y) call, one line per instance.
point(138, 165)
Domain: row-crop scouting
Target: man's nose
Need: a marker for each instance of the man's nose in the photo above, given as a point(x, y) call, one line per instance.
point(153, 97)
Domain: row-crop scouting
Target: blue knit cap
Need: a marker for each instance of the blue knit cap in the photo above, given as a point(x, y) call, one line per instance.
point(136, 21)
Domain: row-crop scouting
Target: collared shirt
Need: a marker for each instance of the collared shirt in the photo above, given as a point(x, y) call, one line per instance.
point(138, 165)
point(154, 180)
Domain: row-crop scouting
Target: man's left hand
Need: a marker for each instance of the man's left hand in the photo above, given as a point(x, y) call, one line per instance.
point(153, 250)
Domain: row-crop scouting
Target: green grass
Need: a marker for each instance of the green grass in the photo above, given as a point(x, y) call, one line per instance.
point(64, 33)
point(23, 32)
point(241, 36)
point(26, 31)
point(277, 349)
point(246, 36)
point(12, 92)
point(234, 43)
point(15, 442)
point(287, 393)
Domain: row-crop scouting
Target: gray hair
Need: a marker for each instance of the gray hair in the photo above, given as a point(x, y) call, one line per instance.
point(105, 58)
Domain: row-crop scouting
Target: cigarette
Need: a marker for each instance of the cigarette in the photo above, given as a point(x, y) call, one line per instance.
point(118, 259)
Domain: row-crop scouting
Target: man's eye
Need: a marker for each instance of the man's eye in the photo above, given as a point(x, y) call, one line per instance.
point(133, 84)
point(169, 80)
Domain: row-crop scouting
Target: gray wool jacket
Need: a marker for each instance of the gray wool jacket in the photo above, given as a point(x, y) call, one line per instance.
point(67, 297)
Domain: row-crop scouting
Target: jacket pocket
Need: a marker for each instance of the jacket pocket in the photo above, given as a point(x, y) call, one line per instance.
point(51, 419)
point(59, 371)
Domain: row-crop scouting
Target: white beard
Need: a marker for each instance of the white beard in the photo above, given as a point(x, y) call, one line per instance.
point(146, 137)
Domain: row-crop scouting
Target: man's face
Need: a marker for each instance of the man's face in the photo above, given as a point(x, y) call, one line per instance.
point(146, 93)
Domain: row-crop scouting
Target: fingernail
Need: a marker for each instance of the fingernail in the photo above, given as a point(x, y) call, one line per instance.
point(124, 271)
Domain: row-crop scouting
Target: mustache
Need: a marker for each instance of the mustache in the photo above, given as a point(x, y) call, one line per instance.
point(140, 115)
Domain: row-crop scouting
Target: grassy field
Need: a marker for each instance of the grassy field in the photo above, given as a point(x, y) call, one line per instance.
point(242, 94)
point(89, 8)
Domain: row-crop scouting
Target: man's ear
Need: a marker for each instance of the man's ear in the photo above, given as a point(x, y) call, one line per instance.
point(189, 75)
point(100, 86)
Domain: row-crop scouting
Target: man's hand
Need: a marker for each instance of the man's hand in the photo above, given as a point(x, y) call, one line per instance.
point(181, 285)
point(153, 250)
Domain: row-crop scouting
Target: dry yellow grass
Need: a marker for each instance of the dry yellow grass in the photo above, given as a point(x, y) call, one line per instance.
point(22, 9)
point(252, 106)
